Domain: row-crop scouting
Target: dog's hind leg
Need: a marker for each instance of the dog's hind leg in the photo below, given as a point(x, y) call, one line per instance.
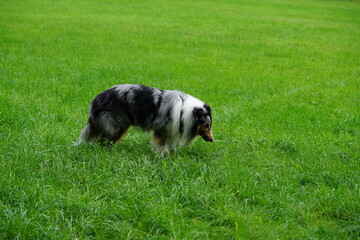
point(120, 135)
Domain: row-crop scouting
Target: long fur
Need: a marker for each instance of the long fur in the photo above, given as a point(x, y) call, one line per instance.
point(173, 116)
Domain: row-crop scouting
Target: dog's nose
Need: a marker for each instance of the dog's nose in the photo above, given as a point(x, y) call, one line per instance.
point(210, 138)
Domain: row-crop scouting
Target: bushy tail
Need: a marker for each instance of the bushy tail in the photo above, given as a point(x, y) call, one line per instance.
point(85, 136)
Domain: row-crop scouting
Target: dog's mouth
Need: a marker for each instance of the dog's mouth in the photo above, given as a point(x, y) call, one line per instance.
point(209, 139)
point(207, 136)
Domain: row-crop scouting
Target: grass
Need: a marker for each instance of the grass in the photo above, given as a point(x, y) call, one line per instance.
point(283, 80)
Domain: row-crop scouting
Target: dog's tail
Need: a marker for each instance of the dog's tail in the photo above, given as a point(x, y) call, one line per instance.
point(85, 136)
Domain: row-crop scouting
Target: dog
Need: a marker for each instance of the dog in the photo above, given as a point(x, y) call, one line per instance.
point(174, 117)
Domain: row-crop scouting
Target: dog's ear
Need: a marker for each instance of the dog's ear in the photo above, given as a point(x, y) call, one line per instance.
point(198, 112)
point(208, 109)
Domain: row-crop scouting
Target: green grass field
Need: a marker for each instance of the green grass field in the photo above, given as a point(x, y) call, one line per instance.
point(283, 80)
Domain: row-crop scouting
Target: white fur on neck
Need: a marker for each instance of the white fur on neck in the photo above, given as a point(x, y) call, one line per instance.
point(189, 104)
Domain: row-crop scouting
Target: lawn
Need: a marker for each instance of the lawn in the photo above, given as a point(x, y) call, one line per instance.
point(282, 78)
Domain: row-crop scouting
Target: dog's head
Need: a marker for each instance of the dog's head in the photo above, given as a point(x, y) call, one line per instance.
point(203, 122)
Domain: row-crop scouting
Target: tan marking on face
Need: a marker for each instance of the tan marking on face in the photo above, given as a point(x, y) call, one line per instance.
point(204, 130)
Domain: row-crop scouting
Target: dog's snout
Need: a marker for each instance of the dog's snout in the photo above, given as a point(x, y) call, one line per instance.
point(208, 136)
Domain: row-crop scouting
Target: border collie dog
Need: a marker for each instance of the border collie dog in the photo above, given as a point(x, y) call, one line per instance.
point(173, 116)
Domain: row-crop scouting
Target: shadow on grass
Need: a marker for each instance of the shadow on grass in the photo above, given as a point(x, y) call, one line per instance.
point(142, 149)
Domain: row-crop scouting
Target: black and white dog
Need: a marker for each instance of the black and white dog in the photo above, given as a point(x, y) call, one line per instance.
point(173, 116)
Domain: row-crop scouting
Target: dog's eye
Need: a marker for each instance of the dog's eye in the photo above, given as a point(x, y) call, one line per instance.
point(206, 125)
